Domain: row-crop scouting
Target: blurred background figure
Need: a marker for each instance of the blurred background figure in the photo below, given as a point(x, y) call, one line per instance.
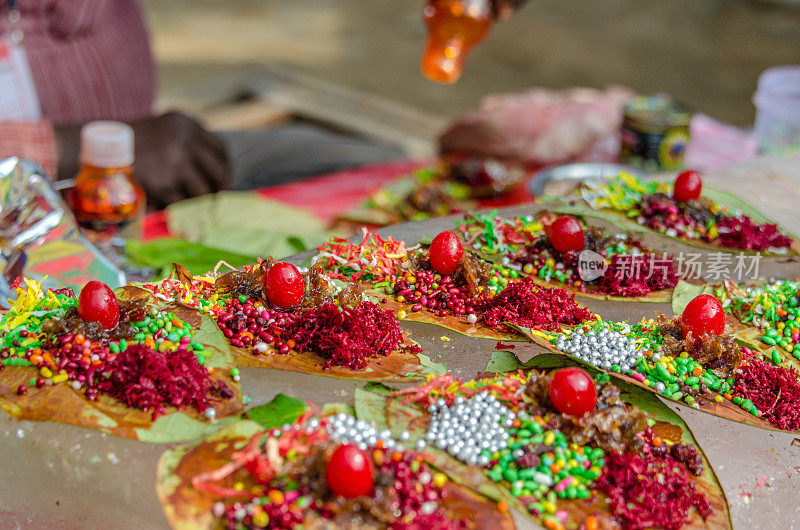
point(91, 60)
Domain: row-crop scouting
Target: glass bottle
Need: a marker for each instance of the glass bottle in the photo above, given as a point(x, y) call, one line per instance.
point(454, 28)
point(105, 195)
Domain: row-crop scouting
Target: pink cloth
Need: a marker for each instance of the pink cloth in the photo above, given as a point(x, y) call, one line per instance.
point(33, 141)
point(715, 145)
point(542, 126)
point(90, 60)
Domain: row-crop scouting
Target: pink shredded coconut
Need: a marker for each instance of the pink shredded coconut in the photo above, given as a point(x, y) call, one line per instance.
point(527, 305)
point(741, 232)
point(347, 336)
point(637, 275)
point(774, 390)
point(150, 380)
point(650, 492)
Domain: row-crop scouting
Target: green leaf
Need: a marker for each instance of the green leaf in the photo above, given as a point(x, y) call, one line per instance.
point(685, 292)
point(246, 223)
point(431, 366)
point(160, 254)
point(178, 427)
point(503, 361)
point(281, 410)
point(217, 349)
point(371, 407)
point(379, 388)
point(735, 202)
point(337, 407)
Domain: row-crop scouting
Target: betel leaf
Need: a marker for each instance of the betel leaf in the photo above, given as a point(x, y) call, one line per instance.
point(61, 403)
point(160, 254)
point(186, 507)
point(179, 427)
point(371, 407)
point(736, 203)
point(379, 388)
point(329, 409)
point(669, 422)
point(503, 361)
point(629, 224)
point(475, 226)
point(431, 367)
point(685, 292)
point(281, 410)
point(247, 223)
point(451, 322)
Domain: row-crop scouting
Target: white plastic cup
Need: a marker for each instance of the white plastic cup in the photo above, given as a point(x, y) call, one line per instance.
point(777, 101)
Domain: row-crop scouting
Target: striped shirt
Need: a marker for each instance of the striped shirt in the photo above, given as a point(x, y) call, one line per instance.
point(90, 60)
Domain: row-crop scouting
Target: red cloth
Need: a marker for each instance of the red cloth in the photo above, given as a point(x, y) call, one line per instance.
point(333, 194)
point(327, 196)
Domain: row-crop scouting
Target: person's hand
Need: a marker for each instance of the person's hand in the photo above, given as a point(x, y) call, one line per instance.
point(502, 9)
point(176, 158)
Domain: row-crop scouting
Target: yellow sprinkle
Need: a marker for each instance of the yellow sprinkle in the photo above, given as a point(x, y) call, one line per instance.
point(439, 480)
point(445, 338)
point(549, 438)
point(238, 486)
point(401, 314)
point(46, 372)
point(60, 378)
point(549, 507)
point(718, 398)
point(261, 519)
point(166, 346)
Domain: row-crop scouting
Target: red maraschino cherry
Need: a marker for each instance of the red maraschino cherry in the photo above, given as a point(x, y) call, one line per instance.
point(98, 303)
point(704, 315)
point(446, 252)
point(688, 186)
point(566, 234)
point(349, 472)
point(573, 392)
point(284, 285)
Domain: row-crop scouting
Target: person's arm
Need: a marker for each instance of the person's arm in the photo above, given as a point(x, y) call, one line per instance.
point(176, 158)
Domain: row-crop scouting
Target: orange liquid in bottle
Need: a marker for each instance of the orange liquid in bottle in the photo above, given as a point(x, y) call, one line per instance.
point(454, 28)
point(106, 198)
point(105, 195)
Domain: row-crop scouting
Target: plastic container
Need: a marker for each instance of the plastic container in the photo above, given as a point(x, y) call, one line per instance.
point(777, 101)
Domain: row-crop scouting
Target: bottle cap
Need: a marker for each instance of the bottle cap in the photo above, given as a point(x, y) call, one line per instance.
point(107, 144)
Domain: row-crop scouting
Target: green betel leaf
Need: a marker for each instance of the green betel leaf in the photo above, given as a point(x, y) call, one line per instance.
point(685, 292)
point(330, 409)
point(160, 254)
point(371, 407)
point(179, 427)
point(281, 410)
point(503, 361)
point(430, 366)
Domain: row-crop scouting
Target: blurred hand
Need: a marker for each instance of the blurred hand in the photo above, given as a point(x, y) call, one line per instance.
point(505, 8)
point(175, 158)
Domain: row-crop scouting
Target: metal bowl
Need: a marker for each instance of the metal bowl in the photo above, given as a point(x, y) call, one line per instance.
point(557, 180)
